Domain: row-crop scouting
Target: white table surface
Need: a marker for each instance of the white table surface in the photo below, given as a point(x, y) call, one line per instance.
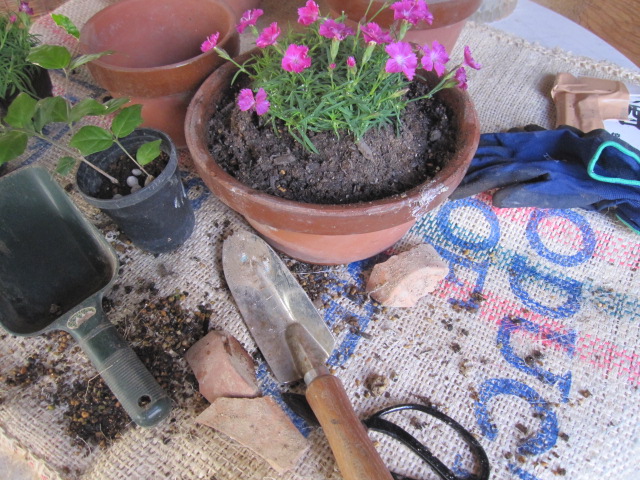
point(541, 25)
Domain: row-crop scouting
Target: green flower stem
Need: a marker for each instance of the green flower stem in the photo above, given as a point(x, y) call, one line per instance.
point(150, 177)
point(367, 53)
point(69, 151)
point(404, 28)
point(333, 53)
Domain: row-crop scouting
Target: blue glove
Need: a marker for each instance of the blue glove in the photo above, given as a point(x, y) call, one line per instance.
point(561, 168)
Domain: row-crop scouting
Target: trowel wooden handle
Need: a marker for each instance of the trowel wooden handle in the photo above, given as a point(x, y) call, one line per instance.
point(355, 454)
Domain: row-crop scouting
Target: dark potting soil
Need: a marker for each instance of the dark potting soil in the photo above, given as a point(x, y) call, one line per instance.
point(387, 161)
point(121, 169)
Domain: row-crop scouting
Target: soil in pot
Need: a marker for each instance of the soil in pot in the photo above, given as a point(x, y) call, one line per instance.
point(387, 161)
point(122, 169)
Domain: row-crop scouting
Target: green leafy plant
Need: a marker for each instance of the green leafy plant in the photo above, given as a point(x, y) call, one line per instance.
point(16, 72)
point(30, 118)
point(331, 77)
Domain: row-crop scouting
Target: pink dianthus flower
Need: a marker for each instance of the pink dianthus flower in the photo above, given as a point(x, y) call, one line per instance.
point(268, 36)
point(413, 11)
point(309, 13)
point(250, 17)
point(24, 7)
point(334, 30)
point(372, 33)
point(461, 77)
point(246, 101)
point(434, 58)
point(403, 59)
point(296, 58)
point(468, 59)
point(210, 42)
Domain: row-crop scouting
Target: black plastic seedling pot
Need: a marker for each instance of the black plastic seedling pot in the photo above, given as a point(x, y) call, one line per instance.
point(159, 217)
point(54, 268)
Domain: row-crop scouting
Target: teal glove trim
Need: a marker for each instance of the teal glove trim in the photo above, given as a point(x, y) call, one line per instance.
point(628, 224)
point(596, 156)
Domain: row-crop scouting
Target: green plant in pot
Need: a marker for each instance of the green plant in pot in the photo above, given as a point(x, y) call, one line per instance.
point(129, 173)
point(17, 73)
point(340, 104)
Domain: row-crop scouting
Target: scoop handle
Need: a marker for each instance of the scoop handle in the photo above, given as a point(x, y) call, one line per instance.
point(133, 385)
point(355, 454)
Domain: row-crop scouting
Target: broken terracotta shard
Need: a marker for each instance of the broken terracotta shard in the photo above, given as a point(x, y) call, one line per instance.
point(407, 277)
point(259, 424)
point(222, 367)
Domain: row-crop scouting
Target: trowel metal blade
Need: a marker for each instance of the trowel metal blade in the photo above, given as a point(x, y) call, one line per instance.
point(270, 299)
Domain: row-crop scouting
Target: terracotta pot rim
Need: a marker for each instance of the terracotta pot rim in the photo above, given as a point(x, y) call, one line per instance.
point(202, 57)
point(414, 201)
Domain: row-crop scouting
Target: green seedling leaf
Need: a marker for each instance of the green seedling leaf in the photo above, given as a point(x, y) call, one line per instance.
point(91, 139)
point(82, 59)
point(12, 145)
point(20, 112)
point(65, 165)
point(50, 110)
point(114, 104)
point(127, 121)
point(66, 23)
point(85, 107)
point(51, 57)
point(148, 152)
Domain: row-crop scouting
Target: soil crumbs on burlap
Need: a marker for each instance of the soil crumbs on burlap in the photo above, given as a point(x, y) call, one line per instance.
point(160, 334)
point(385, 162)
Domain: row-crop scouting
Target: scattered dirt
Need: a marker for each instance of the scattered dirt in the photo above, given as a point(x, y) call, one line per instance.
point(160, 334)
point(376, 384)
point(385, 162)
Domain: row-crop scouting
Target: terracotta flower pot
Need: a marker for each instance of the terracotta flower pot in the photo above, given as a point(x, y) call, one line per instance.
point(158, 62)
point(326, 234)
point(241, 6)
point(449, 17)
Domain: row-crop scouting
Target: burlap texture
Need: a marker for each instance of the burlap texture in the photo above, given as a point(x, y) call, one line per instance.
point(556, 286)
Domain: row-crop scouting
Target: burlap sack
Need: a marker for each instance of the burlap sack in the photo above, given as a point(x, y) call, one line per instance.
point(531, 342)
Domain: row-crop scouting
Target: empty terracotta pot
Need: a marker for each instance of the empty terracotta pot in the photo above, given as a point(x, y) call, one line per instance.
point(326, 234)
point(157, 60)
point(449, 17)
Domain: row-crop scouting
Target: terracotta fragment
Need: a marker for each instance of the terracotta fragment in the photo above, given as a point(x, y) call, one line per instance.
point(407, 277)
point(223, 367)
point(260, 425)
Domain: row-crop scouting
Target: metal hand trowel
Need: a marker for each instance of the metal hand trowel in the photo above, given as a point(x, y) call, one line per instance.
point(54, 268)
point(296, 343)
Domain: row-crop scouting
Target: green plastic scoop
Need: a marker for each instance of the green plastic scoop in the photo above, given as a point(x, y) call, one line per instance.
point(54, 268)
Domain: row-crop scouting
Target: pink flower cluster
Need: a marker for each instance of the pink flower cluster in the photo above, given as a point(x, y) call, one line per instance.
point(412, 11)
point(403, 57)
point(404, 60)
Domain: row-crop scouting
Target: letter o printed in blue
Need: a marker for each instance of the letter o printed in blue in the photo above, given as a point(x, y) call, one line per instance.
point(588, 237)
point(445, 224)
